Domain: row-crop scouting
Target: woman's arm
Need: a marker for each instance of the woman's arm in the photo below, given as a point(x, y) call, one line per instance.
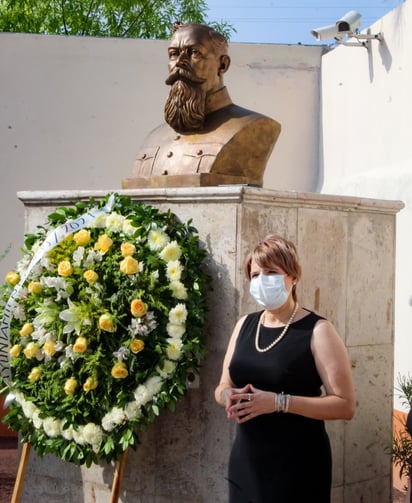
point(225, 387)
point(332, 363)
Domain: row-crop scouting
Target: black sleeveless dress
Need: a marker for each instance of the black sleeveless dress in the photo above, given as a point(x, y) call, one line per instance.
point(278, 457)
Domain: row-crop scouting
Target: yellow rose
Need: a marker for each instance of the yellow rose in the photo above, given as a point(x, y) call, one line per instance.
point(12, 278)
point(35, 287)
point(104, 243)
point(82, 237)
point(15, 350)
point(119, 370)
point(65, 268)
point(90, 384)
point(70, 386)
point(26, 329)
point(50, 348)
point(106, 323)
point(90, 276)
point(136, 346)
point(129, 265)
point(35, 374)
point(31, 350)
point(138, 308)
point(80, 345)
point(127, 249)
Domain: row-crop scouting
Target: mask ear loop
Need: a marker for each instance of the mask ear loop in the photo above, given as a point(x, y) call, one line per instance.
point(294, 290)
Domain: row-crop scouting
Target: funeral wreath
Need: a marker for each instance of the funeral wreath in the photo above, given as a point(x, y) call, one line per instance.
point(104, 318)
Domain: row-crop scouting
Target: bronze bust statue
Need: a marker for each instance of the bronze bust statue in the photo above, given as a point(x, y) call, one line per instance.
point(204, 133)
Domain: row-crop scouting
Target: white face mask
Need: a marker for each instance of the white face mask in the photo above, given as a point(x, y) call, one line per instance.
point(269, 290)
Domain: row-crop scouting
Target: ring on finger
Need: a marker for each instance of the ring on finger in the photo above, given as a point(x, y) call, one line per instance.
point(249, 397)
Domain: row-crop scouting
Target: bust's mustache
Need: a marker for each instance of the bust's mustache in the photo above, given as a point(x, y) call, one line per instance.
point(185, 74)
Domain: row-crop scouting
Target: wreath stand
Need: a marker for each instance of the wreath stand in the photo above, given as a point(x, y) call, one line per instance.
point(24, 458)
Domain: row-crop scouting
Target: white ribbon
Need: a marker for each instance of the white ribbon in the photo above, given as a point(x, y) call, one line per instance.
point(52, 239)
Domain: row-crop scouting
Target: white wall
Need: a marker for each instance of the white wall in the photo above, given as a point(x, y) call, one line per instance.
point(74, 110)
point(367, 142)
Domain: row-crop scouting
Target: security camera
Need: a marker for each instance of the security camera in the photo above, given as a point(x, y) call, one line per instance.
point(349, 22)
point(325, 32)
point(344, 26)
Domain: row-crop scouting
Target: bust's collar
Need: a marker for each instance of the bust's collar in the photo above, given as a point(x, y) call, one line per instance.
point(217, 100)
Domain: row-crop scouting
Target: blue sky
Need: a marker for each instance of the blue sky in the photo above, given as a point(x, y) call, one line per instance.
point(290, 21)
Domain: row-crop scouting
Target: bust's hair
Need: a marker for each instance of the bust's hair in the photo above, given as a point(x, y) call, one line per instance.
point(219, 42)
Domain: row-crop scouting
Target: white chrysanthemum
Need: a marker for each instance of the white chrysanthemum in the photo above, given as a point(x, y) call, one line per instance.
point(118, 415)
point(107, 422)
point(142, 395)
point(99, 222)
point(167, 369)
point(157, 239)
point(19, 397)
point(113, 418)
point(154, 385)
point(174, 349)
point(174, 270)
point(133, 411)
point(93, 434)
point(178, 290)
point(171, 252)
point(78, 436)
point(128, 227)
point(175, 331)
point(178, 314)
point(68, 433)
point(114, 222)
point(52, 427)
point(37, 421)
point(28, 408)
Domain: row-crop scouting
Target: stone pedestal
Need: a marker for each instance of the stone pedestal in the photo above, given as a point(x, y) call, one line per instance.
point(347, 251)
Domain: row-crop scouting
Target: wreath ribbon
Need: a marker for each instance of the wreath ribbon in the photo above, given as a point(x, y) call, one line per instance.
point(52, 239)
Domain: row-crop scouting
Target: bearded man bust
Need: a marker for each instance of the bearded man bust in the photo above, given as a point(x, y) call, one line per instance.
point(204, 131)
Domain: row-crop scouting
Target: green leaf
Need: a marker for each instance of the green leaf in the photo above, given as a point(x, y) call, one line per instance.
point(106, 18)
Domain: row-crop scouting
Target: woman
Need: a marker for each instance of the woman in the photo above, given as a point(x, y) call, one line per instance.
point(286, 370)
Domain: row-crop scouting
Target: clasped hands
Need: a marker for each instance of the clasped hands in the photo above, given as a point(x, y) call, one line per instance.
point(243, 404)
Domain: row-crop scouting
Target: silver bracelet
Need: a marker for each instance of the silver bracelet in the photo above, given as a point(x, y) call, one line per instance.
point(282, 402)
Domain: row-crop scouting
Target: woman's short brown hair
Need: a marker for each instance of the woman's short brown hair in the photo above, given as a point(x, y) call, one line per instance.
point(277, 251)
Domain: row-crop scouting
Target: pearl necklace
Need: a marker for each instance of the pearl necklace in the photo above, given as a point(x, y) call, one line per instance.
point(280, 337)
